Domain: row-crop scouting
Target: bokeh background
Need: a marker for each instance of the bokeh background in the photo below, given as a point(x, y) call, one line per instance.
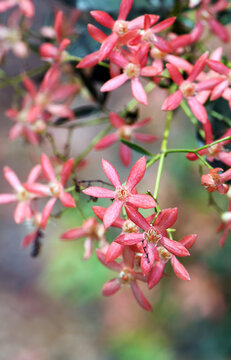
point(51, 306)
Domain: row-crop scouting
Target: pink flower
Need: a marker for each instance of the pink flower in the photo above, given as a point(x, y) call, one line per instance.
point(217, 151)
point(132, 69)
point(163, 256)
point(51, 96)
point(215, 181)
point(93, 231)
point(26, 6)
point(127, 276)
point(11, 38)
point(26, 124)
point(55, 187)
point(188, 89)
point(124, 131)
point(220, 89)
point(49, 51)
point(123, 194)
point(207, 13)
point(21, 194)
point(153, 236)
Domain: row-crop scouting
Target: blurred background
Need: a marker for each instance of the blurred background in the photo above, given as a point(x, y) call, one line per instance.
point(51, 306)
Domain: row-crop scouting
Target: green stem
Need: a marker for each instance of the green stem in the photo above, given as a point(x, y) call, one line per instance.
point(92, 144)
point(163, 154)
point(15, 80)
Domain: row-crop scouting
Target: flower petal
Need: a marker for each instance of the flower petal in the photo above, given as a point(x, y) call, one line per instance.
point(137, 173)
point(75, 233)
point(106, 141)
point(111, 173)
point(138, 91)
point(100, 192)
point(47, 168)
point(174, 247)
point(139, 296)
point(111, 287)
point(47, 211)
point(179, 269)
point(114, 251)
point(172, 101)
point(125, 154)
point(114, 82)
point(156, 274)
point(137, 218)
point(198, 110)
point(66, 171)
point(112, 213)
point(12, 178)
point(116, 120)
point(141, 200)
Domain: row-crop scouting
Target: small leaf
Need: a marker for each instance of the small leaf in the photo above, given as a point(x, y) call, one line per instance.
point(80, 112)
point(137, 148)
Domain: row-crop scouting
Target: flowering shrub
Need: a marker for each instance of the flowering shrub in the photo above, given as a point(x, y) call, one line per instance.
point(146, 47)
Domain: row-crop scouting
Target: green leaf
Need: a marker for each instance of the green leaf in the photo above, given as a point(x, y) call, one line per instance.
point(137, 148)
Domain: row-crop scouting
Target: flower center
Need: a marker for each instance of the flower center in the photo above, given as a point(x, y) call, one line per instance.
point(126, 276)
point(187, 88)
point(157, 54)
point(226, 216)
point(23, 195)
point(148, 36)
point(39, 126)
point(120, 27)
point(152, 235)
point(132, 70)
point(125, 132)
point(229, 76)
point(214, 150)
point(55, 189)
point(163, 253)
point(129, 227)
point(205, 15)
point(122, 193)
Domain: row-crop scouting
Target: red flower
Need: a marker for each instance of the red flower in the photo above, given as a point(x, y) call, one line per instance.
point(55, 188)
point(127, 276)
point(214, 181)
point(115, 249)
point(93, 231)
point(123, 194)
point(216, 151)
point(154, 235)
point(21, 195)
point(120, 27)
point(124, 131)
point(163, 256)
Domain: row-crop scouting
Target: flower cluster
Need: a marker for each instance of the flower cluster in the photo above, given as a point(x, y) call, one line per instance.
point(172, 58)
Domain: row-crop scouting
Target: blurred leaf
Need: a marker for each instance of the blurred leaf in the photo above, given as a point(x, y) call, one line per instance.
point(80, 112)
point(136, 147)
